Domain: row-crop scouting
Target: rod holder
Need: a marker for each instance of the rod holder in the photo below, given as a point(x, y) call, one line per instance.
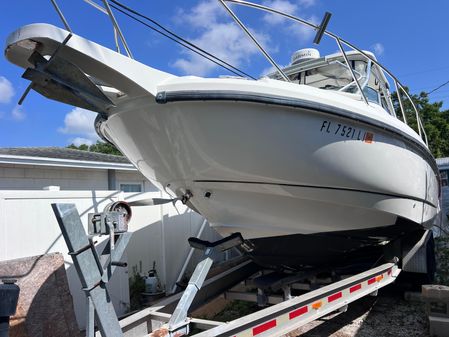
point(322, 28)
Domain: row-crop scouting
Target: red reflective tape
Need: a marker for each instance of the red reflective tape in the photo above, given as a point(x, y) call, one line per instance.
point(334, 297)
point(371, 280)
point(298, 312)
point(264, 327)
point(355, 288)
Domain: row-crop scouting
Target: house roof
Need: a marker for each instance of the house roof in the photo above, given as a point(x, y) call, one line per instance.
point(443, 162)
point(60, 156)
point(62, 153)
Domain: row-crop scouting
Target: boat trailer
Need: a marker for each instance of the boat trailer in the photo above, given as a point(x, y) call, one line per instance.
point(95, 269)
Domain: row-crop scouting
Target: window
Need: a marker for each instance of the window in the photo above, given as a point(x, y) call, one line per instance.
point(371, 95)
point(444, 178)
point(133, 187)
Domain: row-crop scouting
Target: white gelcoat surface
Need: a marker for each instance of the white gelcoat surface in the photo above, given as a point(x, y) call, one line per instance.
point(178, 144)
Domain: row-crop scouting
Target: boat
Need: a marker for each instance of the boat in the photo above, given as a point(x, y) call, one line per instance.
point(313, 165)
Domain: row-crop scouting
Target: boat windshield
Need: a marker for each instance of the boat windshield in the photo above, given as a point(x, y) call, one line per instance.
point(332, 73)
point(367, 77)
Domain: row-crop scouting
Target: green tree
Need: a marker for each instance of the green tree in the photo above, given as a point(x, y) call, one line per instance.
point(82, 147)
point(99, 146)
point(103, 147)
point(434, 119)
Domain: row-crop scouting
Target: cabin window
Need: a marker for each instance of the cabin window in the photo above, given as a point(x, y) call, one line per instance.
point(132, 187)
point(371, 95)
point(444, 178)
point(335, 75)
point(331, 77)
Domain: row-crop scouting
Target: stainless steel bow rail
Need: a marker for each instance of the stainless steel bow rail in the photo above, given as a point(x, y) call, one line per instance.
point(95, 270)
point(341, 43)
point(401, 90)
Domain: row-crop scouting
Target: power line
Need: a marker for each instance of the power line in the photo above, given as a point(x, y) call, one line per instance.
point(440, 86)
point(178, 39)
point(422, 71)
point(441, 93)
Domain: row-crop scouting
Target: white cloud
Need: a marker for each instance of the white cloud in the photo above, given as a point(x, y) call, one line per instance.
point(80, 122)
point(218, 34)
point(298, 30)
point(269, 70)
point(80, 141)
point(282, 6)
point(205, 14)
point(307, 3)
point(378, 48)
point(6, 90)
point(303, 32)
point(18, 114)
point(226, 41)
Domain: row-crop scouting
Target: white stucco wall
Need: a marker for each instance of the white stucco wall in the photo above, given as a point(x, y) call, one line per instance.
point(34, 177)
point(23, 177)
point(126, 177)
point(28, 227)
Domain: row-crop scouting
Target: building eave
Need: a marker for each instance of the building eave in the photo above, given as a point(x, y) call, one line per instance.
point(70, 163)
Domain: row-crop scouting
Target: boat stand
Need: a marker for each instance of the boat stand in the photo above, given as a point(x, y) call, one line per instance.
point(179, 322)
point(95, 269)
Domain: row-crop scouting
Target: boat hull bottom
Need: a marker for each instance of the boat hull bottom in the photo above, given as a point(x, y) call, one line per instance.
point(353, 249)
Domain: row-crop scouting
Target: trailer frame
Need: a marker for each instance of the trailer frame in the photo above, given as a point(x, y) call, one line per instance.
point(272, 321)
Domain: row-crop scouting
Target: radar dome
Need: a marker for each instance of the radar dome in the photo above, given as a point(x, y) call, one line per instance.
point(304, 55)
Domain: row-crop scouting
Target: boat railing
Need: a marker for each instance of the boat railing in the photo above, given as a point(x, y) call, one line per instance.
point(401, 91)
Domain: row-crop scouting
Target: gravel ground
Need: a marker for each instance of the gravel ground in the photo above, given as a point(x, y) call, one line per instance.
point(385, 315)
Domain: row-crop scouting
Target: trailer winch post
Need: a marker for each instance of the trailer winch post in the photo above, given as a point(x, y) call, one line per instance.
point(94, 269)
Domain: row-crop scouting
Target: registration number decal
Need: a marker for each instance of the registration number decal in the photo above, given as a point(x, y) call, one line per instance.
point(346, 131)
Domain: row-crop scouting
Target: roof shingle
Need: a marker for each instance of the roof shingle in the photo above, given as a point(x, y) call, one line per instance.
point(63, 153)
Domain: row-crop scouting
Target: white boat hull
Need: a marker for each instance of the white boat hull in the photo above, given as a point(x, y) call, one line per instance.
point(299, 171)
point(266, 170)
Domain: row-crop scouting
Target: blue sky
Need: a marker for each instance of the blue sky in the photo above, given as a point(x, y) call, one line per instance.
point(408, 37)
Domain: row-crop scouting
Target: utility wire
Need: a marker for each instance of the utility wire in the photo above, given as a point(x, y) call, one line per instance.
point(178, 39)
point(440, 86)
point(171, 38)
point(422, 72)
point(442, 229)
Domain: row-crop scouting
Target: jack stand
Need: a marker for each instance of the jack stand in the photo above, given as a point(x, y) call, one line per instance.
point(96, 270)
point(179, 323)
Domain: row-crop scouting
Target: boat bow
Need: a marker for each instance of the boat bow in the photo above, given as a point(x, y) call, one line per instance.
point(68, 68)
